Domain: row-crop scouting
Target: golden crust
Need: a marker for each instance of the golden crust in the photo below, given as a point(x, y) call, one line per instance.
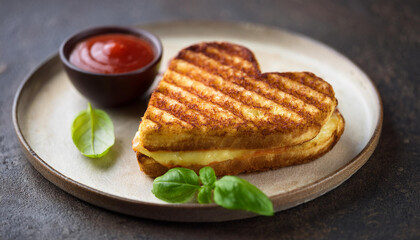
point(214, 96)
point(263, 159)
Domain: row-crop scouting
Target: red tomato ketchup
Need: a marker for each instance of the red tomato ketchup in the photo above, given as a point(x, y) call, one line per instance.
point(112, 53)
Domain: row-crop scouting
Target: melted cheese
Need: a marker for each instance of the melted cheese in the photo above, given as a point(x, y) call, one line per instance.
point(206, 157)
point(188, 158)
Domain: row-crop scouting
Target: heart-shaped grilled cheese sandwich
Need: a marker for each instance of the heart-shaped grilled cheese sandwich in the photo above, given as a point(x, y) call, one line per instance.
point(214, 106)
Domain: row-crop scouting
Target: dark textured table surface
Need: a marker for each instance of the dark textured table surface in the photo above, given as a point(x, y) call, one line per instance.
point(380, 201)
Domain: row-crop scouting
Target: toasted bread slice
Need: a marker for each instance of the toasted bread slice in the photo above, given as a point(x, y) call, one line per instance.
point(263, 159)
point(214, 96)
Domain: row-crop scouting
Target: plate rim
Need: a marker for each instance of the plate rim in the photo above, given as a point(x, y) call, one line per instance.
point(78, 189)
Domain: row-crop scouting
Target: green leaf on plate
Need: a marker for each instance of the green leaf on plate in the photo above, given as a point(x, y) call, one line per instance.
point(93, 132)
point(178, 185)
point(204, 195)
point(235, 193)
point(207, 176)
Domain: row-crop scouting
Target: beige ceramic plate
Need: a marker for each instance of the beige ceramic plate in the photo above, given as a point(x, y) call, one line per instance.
point(46, 104)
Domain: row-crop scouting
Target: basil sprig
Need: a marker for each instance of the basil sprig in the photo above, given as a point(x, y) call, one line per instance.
point(179, 185)
point(93, 132)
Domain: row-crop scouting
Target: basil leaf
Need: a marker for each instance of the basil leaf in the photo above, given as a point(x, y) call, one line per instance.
point(93, 132)
point(235, 193)
point(207, 176)
point(204, 194)
point(178, 185)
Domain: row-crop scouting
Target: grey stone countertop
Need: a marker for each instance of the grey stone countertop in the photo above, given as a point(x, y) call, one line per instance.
point(380, 201)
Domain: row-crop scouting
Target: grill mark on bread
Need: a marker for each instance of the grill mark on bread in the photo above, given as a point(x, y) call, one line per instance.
point(268, 108)
point(160, 116)
point(215, 96)
point(178, 110)
point(208, 99)
point(212, 112)
point(315, 84)
point(242, 79)
point(262, 112)
point(148, 117)
point(227, 72)
point(320, 100)
point(282, 98)
point(294, 107)
point(232, 61)
point(311, 80)
point(229, 50)
point(212, 96)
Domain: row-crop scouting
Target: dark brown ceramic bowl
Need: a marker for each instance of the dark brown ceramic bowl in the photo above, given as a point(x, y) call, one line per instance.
point(111, 90)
